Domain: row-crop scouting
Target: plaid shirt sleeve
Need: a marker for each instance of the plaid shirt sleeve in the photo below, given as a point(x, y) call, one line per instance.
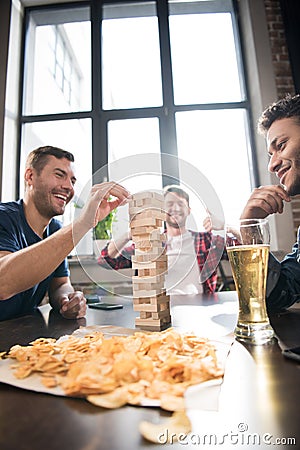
point(123, 261)
point(209, 250)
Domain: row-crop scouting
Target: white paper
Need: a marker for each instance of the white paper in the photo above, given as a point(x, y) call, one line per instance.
point(205, 395)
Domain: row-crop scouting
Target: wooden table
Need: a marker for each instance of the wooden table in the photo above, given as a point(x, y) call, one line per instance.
point(261, 387)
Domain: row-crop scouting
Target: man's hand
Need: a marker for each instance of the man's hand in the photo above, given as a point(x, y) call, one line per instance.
point(212, 223)
point(99, 203)
point(264, 201)
point(73, 305)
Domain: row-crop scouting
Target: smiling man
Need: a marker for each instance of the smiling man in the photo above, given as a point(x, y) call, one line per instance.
point(193, 256)
point(34, 246)
point(280, 123)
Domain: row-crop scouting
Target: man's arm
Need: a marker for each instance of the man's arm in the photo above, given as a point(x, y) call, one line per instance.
point(122, 261)
point(115, 247)
point(71, 304)
point(264, 201)
point(283, 282)
point(23, 269)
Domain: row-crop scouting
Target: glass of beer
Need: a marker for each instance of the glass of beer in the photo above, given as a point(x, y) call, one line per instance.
point(248, 246)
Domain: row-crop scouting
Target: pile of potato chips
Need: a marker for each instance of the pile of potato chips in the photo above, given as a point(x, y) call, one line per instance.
point(111, 372)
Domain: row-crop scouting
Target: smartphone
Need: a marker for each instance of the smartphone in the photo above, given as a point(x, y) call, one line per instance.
point(292, 353)
point(106, 306)
point(92, 298)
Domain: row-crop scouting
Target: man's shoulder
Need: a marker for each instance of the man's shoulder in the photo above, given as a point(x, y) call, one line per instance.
point(11, 210)
point(55, 225)
point(10, 206)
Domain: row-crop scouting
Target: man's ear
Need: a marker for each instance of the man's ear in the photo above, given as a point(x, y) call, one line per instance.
point(28, 176)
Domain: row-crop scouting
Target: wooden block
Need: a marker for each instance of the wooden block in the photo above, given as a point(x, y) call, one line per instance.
point(147, 221)
point(143, 245)
point(145, 307)
point(136, 286)
point(146, 315)
point(156, 308)
point(164, 306)
point(154, 236)
point(140, 231)
point(141, 293)
point(158, 299)
point(155, 245)
point(155, 252)
point(142, 213)
point(146, 195)
point(154, 329)
point(152, 322)
point(161, 315)
point(147, 245)
point(158, 196)
point(138, 202)
point(141, 195)
point(154, 202)
point(151, 272)
point(157, 264)
point(148, 322)
point(147, 281)
point(141, 209)
point(154, 265)
point(157, 235)
point(143, 300)
point(154, 279)
point(147, 257)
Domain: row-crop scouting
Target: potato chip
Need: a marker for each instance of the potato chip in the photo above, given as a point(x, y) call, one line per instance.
point(115, 399)
point(167, 432)
point(172, 402)
point(120, 369)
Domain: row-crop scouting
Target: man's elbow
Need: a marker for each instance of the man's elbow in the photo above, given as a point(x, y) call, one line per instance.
point(5, 294)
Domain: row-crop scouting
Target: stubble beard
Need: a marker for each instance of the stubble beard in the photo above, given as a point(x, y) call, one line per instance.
point(45, 207)
point(295, 186)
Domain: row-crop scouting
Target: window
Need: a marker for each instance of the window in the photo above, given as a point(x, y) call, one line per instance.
point(144, 93)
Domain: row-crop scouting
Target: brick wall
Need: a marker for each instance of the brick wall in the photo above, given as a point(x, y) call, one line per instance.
point(282, 69)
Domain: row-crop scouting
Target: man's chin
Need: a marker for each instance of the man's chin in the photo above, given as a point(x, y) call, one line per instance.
point(173, 224)
point(292, 190)
point(58, 211)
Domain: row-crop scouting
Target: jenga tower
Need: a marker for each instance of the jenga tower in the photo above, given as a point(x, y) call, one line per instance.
point(146, 211)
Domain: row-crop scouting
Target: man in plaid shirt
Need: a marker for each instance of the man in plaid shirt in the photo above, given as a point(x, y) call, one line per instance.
point(193, 256)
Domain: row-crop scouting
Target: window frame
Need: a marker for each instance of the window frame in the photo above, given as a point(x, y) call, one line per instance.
point(165, 113)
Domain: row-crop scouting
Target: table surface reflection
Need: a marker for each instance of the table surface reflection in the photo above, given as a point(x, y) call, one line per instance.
point(259, 384)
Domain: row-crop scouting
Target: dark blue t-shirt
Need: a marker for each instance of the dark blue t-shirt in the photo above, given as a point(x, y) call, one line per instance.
point(15, 234)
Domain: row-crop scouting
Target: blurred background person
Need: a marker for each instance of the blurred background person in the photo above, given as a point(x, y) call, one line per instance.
point(190, 270)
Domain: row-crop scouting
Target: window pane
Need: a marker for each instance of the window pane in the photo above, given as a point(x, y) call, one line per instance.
point(204, 61)
point(71, 135)
point(215, 142)
point(53, 52)
point(134, 160)
point(131, 57)
point(127, 138)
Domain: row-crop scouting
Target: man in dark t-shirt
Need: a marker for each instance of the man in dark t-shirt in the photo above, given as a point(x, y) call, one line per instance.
point(34, 245)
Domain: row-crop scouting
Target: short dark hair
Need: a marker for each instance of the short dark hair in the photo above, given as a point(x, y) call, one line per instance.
point(177, 190)
point(37, 159)
point(287, 107)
